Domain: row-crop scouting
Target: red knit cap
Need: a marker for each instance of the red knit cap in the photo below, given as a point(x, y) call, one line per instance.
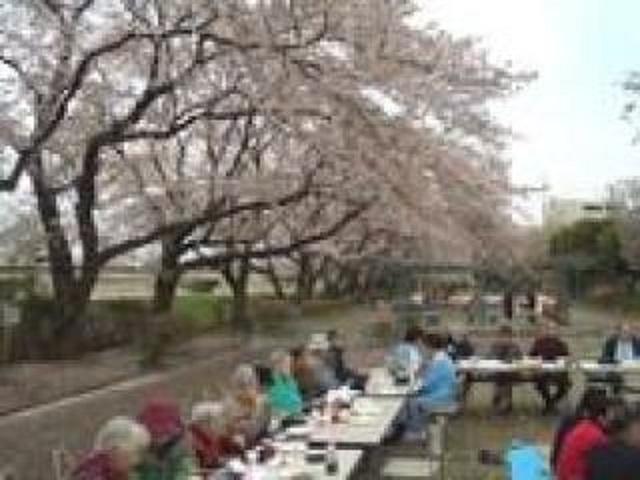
point(161, 417)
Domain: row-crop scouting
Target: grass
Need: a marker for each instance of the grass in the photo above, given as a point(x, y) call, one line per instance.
point(201, 311)
point(479, 428)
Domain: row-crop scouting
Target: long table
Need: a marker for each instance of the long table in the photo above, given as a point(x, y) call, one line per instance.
point(297, 465)
point(380, 383)
point(348, 461)
point(363, 430)
point(527, 369)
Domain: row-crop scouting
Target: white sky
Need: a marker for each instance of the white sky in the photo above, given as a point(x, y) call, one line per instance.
point(572, 135)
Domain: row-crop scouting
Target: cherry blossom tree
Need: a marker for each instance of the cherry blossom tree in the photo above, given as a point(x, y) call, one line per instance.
point(165, 114)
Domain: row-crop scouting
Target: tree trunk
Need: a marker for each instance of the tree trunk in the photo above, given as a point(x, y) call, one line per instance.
point(305, 282)
point(71, 290)
point(70, 302)
point(164, 292)
point(236, 275)
point(276, 283)
point(166, 282)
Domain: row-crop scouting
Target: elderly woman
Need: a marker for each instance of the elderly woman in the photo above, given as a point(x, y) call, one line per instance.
point(120, 446)
point(210, 438)
point(247, 407)
point(170, 456)
point(284, 396)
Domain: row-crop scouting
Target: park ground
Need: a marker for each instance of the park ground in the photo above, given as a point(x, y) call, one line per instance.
point(47, 406)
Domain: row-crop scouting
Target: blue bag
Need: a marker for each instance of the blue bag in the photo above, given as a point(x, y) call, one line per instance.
point(525, 461)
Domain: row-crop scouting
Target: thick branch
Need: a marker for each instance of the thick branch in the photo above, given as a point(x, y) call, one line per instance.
point(215, 261)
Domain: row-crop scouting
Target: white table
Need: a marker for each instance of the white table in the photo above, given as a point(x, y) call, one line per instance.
point(595, 368)
point(382, 384)
point(348, 461)
point(626, 374)
point(483, 366)
point(361, 431)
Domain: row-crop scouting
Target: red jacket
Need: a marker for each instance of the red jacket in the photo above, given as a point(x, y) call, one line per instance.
point(211, 450)
point(98, 466)
point(584, 437)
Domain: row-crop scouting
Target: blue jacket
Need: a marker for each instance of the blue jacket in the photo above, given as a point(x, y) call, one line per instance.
point(439, 381)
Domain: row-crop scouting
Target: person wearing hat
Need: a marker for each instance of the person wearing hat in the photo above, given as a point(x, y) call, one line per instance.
point(209, 432)
point(170, 456)
point(119, 447)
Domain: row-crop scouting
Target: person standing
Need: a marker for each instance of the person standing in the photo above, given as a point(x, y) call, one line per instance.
point(580, 441)
point(506, 349)
point(552, 386)
point(590, 401)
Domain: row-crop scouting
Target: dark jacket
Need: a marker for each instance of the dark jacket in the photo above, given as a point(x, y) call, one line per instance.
point(609, 349)
point(549, 348)
point(459, 349)
point(614, 461)
point(506, 350)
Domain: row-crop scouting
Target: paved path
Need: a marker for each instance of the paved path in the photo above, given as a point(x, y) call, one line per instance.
point(27, 436)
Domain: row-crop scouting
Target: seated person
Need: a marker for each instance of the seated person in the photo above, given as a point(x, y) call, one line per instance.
point(335, 359)
point(210, 438)
point(506, 349)
point(591, 398)
point(622, 346)
point(247, 407)
point(550, 347)
point(312, 374)
point(284, 396)
point(120, 446)
point(264, 374)
point(619, 459)
point(439, 387)
point(406, 358)
point(459, 348)
point(587, 434)
point(619, 347)
point(170, 456)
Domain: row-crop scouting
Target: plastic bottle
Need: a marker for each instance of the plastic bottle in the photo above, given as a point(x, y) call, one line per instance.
point(331, 462)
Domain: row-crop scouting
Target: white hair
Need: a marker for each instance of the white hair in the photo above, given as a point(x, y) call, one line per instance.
point(244, 376)
point(212, 414)
point(279, 356)
point(124, 434)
